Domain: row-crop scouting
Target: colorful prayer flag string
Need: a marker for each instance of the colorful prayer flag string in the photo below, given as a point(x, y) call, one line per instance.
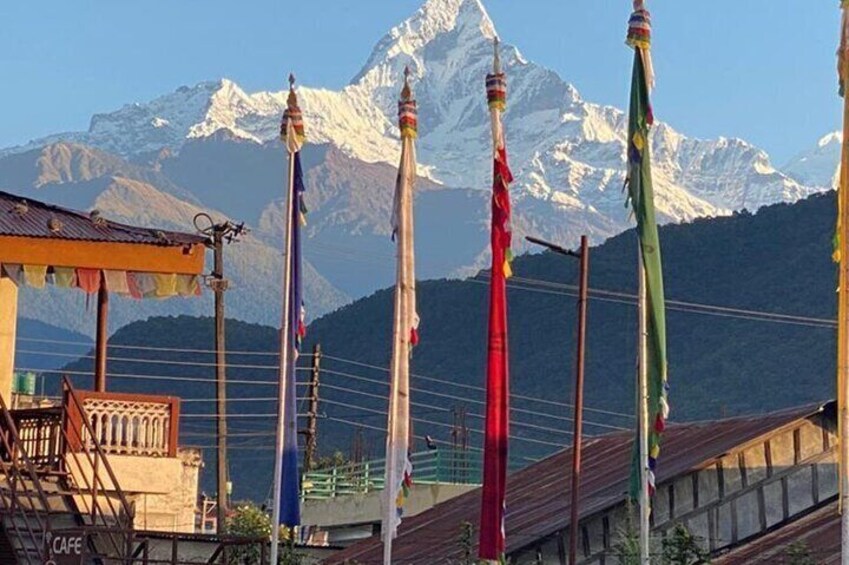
point(90, 281)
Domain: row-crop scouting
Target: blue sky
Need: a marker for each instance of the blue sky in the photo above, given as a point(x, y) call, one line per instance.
point(762, 70)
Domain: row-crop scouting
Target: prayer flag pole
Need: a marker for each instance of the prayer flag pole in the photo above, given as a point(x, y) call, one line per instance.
point(399, 468)
point(643, 413)
point(841, 255)
point(292, 135)
point(492, 544)
point(652, 386)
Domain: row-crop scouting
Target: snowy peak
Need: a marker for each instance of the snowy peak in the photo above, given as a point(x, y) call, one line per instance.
point(818, 166)
point(468, 18)
point(835, 137)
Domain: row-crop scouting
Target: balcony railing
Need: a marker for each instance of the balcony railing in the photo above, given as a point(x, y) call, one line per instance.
point(429, 467)
point(40, 434)
point(130, 424)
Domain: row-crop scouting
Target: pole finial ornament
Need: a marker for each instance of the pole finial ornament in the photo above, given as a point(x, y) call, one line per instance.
point(408, 113)
point(406, 91)
point(293, 120)
point(496, 83)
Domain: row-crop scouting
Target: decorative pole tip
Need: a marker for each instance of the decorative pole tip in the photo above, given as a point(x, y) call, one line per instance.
point(496, 62)
point(292, 100)
point(406, 91)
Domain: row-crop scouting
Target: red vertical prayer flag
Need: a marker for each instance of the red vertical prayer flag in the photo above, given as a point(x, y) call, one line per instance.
point(492, 531)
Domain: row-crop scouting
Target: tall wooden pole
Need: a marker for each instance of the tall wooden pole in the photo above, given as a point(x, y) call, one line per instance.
point(643, 412)
point(219, 286)
point(579, 400)
point(843, 317)
point(102, 339)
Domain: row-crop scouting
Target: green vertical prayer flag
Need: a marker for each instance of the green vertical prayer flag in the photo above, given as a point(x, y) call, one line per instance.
point(641, 196)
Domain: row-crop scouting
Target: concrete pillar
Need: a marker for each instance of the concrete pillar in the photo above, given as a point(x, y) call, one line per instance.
point(8, 329)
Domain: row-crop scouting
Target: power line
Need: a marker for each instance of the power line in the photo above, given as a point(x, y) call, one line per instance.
point(674, 305)
point(443, 409)
point(479, 388)
point(471, 400)
point(153, 361)
point(133, 376)
point(152, 348)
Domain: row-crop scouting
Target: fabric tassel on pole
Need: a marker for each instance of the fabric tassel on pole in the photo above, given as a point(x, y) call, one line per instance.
point(286, 455)
point(492, 541)
point(653, 406)
point(399, 469)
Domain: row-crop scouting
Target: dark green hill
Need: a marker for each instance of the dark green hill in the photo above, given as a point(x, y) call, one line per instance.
point(723, 363)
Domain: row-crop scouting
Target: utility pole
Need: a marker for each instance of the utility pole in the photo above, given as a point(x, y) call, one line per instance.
point(224, 232)
point(312, 415)
point(584, 256)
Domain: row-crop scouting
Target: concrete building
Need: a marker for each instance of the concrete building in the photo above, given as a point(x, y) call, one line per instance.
point(730, 482)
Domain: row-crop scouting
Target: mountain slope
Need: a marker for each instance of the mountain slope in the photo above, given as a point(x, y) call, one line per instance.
point(80, 177)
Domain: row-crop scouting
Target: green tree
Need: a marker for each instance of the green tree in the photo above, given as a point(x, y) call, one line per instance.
point(798, 554)
point(467, 543)
point(626, 548)
point(682, 548)
point(249, 521)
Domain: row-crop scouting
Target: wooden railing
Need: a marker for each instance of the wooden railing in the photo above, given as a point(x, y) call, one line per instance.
point(129, 424)
point(40, 434)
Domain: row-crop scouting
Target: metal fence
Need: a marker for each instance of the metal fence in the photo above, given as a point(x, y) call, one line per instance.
point(429, 467)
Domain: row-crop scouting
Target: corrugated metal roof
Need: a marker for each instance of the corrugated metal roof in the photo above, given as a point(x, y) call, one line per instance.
point(538, 497)
point(24, 217)
point(817, 533)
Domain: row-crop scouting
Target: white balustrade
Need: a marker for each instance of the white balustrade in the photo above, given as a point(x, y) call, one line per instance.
point(130, 427)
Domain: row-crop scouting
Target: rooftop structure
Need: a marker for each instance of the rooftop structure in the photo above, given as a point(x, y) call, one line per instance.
point(729, 482)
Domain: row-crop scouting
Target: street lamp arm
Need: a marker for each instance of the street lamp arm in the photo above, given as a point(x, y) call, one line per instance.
point(553, 247)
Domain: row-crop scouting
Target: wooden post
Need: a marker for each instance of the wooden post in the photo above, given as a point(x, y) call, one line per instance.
point(584, 256)
point(574, 528)
point(843, 310)
point(102, 337)
point(174, 553)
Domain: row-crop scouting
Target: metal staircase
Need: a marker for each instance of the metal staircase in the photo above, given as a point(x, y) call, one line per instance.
point(56, 483)
point(54, 478)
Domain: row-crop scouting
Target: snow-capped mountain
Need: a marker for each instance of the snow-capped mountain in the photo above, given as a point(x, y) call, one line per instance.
point(216, 145)
point(818, 166)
